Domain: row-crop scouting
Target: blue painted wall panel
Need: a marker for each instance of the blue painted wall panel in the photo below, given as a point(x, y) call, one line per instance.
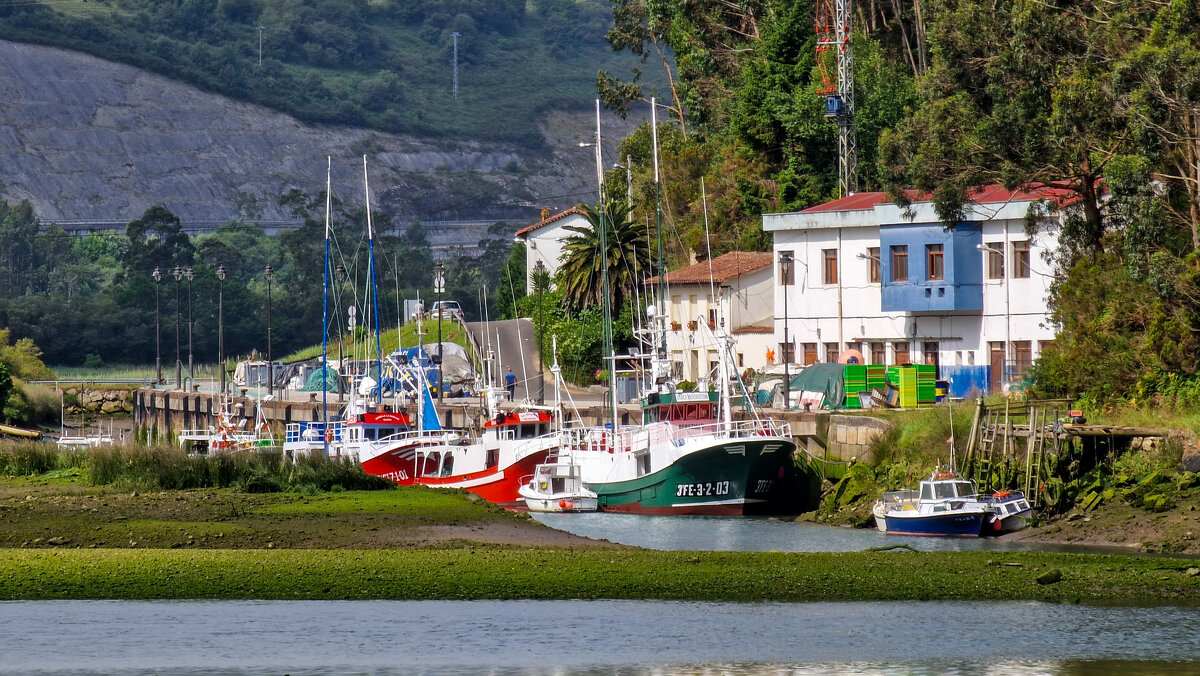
point(966, 380)
point(961, 287)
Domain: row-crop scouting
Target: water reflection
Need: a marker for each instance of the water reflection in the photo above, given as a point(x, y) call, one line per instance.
point(588, 638)
point(760, 534)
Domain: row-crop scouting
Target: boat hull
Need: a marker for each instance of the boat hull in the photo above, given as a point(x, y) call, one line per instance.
point(495, 484)
point(564, 504)
point(731, 477)
point(948, 524)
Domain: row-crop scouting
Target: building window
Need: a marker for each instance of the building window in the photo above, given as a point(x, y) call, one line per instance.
point(831, 271)
point(935, 262)
point(873, 264)
point(995, 260)
point(787, 268)
point(1022, 357)
point(810, 353)
point(878, 354)
point(831, 353)
point(1020, 259)
point(676, 308)
point(932, 354)
point(787, 354)
point(901, 350)
point(900, 263)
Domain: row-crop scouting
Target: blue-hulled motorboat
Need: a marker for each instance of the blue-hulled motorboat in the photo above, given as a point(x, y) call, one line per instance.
point(947, 505)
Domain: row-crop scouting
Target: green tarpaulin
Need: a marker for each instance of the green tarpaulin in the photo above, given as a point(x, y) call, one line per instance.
point(321, 379)
point(826, 379)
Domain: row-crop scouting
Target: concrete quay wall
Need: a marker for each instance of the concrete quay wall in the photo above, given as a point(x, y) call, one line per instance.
point(823, 435)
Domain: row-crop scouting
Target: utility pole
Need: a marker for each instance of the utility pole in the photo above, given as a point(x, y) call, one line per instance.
point(260, 30)
point(455, 36)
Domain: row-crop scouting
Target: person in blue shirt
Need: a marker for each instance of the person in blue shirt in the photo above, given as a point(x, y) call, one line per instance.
point(510, 382)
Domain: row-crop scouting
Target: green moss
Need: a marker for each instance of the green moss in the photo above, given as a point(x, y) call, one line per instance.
point(510, 573)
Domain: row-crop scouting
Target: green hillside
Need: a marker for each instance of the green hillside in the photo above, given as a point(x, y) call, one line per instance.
point(384, 64)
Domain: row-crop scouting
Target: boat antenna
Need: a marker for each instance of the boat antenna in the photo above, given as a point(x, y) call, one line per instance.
point(325, 313)
point(951, 411)
point(374, 292)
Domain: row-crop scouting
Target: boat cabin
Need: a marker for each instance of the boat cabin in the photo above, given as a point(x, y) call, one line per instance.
point(946, 486)
point(371, 426)
point(522, 425)
point(680, 407)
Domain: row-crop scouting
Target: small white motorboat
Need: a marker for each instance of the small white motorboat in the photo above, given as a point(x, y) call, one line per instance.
point(1011, 511)
point(557, 487)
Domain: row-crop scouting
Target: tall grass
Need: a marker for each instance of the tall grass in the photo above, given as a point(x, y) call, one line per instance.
point(167, 468)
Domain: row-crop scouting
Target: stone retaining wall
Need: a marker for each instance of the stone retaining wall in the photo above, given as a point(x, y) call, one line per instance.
point(97, 401)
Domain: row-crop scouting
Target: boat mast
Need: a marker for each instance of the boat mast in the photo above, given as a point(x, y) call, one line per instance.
point(659, 366)
point(374, 293)
point(325, 313)
point(609, 352)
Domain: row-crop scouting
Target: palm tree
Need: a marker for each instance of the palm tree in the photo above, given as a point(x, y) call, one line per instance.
point(581, 275)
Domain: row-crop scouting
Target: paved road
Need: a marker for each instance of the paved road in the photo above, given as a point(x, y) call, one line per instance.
point(514, 344)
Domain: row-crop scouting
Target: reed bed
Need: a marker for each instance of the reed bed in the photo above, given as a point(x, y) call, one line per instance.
point(168, 468)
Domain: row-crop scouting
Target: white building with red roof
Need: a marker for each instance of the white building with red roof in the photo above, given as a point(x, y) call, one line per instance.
point(732, 291)
point(897, 287)
point(544, 241)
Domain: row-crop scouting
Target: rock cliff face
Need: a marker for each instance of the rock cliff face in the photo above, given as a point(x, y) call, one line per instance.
point(89, 140)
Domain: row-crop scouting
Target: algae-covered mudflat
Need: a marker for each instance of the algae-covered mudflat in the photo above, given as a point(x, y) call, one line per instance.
point(64, 538)
point(506, 572)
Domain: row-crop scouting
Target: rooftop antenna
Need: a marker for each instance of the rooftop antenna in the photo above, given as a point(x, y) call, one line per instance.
point(455, 36)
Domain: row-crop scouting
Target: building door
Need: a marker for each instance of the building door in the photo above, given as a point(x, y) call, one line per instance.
point(932, 356)
point(996, 372)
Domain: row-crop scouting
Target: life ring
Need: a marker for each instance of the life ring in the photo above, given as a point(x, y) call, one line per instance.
point(944, 475)
point(328, 435)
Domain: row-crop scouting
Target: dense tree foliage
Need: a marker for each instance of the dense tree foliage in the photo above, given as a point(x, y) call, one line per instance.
point(92, 299)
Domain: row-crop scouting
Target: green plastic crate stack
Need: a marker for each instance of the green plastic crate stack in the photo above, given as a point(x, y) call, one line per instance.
point(854, 379)
point(908, 387)
point(877, 377)
point(926, 384)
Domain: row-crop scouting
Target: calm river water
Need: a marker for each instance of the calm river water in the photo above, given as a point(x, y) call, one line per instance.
point(751, 534)
point(591, 638)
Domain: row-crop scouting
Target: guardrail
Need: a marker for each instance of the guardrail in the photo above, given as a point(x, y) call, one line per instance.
point(96, 381)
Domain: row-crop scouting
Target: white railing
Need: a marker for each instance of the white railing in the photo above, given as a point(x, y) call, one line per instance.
point(627, 438)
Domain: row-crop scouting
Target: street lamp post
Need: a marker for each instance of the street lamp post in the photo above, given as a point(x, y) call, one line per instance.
point(1007, 312)
point(439, 284)
point(188, 274)
point(268, 272)
point(157, 275)
point(540, 282)
point(177, 273)
point(340, 275)
point(221, 325)
point(785, 266)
